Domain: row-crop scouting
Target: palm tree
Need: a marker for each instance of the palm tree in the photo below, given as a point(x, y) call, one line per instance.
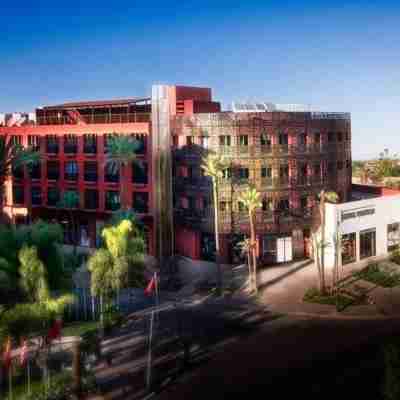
point(251, 200)
point(33, 275)
point(13, 155)
point(245, 250)
point(70, 200)
point(319, 243)
point(213, 165)
point(111, 266)
point(121, 153)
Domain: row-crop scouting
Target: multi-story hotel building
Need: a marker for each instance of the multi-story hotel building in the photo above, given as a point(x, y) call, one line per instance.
point(289, 156)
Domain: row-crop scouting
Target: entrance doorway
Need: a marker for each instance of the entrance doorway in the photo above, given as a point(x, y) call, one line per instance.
point(367, 243)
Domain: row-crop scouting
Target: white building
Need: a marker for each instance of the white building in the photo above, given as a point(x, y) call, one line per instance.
point(367, 228)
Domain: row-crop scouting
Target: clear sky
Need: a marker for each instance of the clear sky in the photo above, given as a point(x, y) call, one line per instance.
point(344, 56)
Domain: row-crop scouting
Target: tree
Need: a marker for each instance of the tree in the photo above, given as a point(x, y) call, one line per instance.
point(13, 155)
point(121, 153)
point(69, 201)
point(318, 235)
point(33, 275)
point(121, 259)
point(213, 166)
point(245, 250)
point(251, 200)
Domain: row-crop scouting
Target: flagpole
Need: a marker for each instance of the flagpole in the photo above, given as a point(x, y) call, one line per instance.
point(149, 355)
point(10, 393)
point(29, 375)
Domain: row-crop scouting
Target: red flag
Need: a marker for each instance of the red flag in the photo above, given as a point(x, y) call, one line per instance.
point(23, 353)
point(7, 355)
point(151, 286)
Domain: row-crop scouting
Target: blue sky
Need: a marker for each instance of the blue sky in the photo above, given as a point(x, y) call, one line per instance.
point(339, 57)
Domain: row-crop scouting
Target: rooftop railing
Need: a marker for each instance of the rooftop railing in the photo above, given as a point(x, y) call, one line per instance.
point(94, 119)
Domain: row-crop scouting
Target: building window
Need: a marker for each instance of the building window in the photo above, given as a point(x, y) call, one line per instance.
point(266, 172)
point(83, 238)
point(112, 200)
point(283, 139)
point(303, 202)
point(302, 139)
point(340, 136)
point(284, 173)
point(73, 197)
point(348, 248)
point(331, 137)
point(70, 144)
point(223, 206)
point(340, 165)
point(191, 202)
point(140, 173)
point(283, 205)
point(175, 140)
point(267, 205)
point(317, 170)
point(36, 196)
point(53, 170)
point(393, 236)
point(52, 144)
point(111, 173)
point(348, 164)
point(140, 202)
point(16, 140)
point(227, 173)
point(367, 243)
point(17, 171)
point(106, 140)
point(243, 140)
point(243, 173)
point(89, 144)
point(189, 140)
point(347, 135)
point(71, 171)
point(91, 199)
point(90, 171)
point(18, 195)
point(225, 140)
point(35, 170)
point(204, 142)
point(53, 196)
point(140, 139)
point(34, 142)
point(265, 140)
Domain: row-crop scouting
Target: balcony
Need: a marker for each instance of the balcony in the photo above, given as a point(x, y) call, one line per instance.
point(95, 119)
point(90, 176)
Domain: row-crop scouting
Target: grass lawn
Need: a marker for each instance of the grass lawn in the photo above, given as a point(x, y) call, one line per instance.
point(341, 301)
point(79, 328)
point(379, 276)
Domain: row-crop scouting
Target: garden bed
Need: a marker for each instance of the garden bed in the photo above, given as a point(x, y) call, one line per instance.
point(340, 300)
point(379, 274)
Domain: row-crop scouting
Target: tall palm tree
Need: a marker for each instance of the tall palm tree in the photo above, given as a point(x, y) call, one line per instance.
point(213, 165)
point(245, 250)
point(121, 153)
point(13, 155)
point(319, 244)
point(251, 200)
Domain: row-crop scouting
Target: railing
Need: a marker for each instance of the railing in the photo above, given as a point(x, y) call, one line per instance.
point(111, 178)
point(70, 177)
point(95, 119)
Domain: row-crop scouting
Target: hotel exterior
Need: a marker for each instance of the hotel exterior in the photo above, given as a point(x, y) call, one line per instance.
point(288, 155)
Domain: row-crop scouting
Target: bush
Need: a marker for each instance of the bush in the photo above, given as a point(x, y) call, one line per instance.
point(395, 257)
point(381, 277)
point(313, 295)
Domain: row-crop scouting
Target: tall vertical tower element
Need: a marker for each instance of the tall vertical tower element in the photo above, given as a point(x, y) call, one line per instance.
point(162, 167)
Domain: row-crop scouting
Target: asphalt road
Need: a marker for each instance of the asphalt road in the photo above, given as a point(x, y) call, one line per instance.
point(294, 358)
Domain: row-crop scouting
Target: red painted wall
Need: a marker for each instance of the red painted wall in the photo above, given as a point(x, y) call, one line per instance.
point(187, 243)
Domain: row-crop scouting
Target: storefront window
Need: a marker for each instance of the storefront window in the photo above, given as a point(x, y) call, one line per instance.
point(393, 236)
point(367, 243)
point(348, 248)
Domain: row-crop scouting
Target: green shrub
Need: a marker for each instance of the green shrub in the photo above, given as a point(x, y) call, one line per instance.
point(395, 257)
point(381, 277)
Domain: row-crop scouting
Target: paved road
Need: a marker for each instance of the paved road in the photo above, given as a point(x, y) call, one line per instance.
point(289, 357)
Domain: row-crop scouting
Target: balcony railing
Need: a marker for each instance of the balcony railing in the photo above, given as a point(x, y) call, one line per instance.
point(111, 178)
point(95, 119)
point(90, 176)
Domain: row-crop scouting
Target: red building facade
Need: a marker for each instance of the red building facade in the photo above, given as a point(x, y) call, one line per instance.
point(288, 156)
